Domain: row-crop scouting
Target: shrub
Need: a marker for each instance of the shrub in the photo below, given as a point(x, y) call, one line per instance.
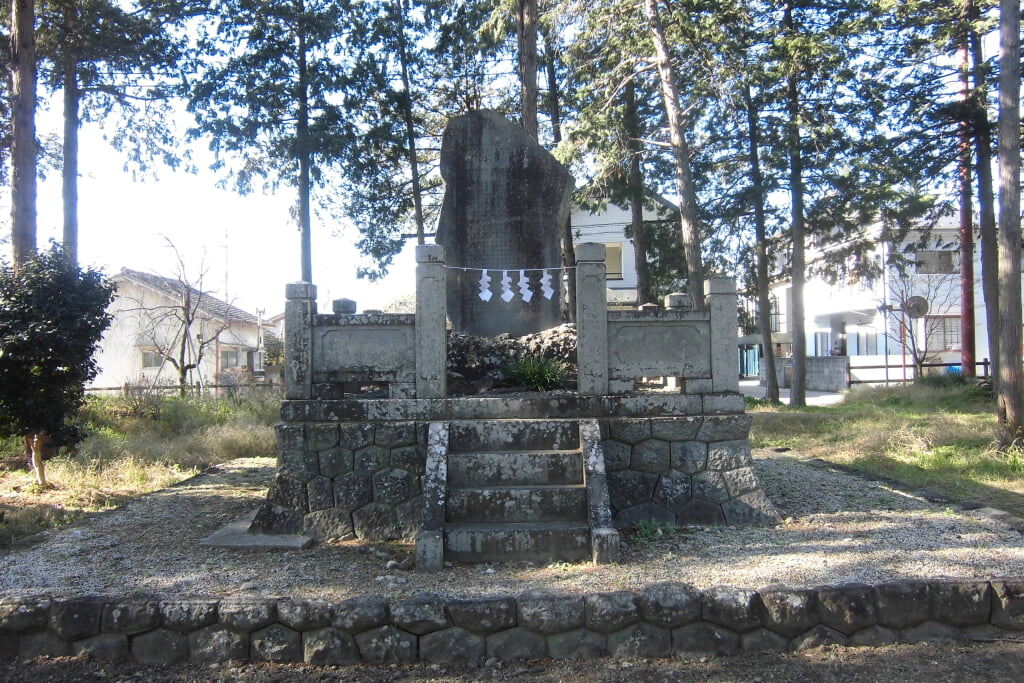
point(535, 373)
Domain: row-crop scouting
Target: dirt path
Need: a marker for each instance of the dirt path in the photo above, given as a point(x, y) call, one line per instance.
point(989, 662)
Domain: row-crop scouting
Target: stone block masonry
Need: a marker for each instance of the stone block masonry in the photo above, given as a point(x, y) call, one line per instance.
point(662, 620)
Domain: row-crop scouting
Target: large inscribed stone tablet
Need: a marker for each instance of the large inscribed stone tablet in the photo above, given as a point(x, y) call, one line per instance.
point(505, 197)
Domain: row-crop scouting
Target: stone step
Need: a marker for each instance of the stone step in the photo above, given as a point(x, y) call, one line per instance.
point(552, 542)
point(515, 469)
point(474, 436)
point(517, 504)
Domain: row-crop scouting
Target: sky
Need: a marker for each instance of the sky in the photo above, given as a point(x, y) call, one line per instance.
point(251, 239)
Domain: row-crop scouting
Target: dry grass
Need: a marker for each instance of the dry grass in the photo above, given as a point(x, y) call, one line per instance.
point(130, 452)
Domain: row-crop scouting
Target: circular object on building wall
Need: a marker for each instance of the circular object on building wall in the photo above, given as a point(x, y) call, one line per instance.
point(916, 307)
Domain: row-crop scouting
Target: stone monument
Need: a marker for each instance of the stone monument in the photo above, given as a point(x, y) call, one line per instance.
point(505, 197)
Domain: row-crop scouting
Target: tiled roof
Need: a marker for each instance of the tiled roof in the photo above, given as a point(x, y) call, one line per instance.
point(211, 305)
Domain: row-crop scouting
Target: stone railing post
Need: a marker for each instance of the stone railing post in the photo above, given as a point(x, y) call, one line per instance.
point(591, 320)
point(721, 302)
point(299, 309)
point(431, 312)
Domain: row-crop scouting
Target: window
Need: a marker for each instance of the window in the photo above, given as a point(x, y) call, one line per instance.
point(862, 343)
point(151, 359)
point(613, 260)
point(936, 262)
point(231, 358)
point(943, 333)
point(822, 345)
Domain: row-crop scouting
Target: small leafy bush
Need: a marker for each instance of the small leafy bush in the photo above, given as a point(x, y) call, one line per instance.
point(648, 531)
point(536, 373)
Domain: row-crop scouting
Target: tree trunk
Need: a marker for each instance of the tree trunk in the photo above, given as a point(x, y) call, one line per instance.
point(1011, 387)
point(526, 22)
point(687, 195)
point(304, 154)
point(636, 196)
point(69, 174)
point(967, 355)
point(798, 390)
point(554, 94)
point(986, 209)
point(764, 303)
point(23, 133)
point(410, 125)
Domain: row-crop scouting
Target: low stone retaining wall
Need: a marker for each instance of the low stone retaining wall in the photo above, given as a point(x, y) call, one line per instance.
point(663, 620)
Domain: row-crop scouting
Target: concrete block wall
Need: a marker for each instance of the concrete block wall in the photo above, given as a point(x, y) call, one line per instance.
point(824, 373)
point(662, 620)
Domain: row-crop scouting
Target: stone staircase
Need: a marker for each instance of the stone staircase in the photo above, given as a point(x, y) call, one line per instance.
point(509, 490)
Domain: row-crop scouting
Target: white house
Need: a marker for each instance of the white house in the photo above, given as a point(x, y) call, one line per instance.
point(161, 323)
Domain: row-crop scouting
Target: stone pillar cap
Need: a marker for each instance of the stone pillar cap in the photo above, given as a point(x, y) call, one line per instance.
point(589, 251)
point(429, 253)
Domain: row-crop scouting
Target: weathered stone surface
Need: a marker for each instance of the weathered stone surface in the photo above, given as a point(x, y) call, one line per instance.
point(740, 481)
point(789, 611)
point(503, 192)
point(217, 643)
point(762, 639)
point(452, 646)
point(76, 618)
point(627, 488)
point(640, 640)
point(410, 517)
point(43, 644)
point(875, 636)
point(577, 644)
point(409, 458)
point(334, 462)
point(630, 431)
point(303, 615)
point(290, 437)
point(608, 612)
point(387, 644)
point(669, 604)
point(701, 512)
point(129, 617)
point(420, 615)
point(330, 523)
point(725, 428)
point(728, 455)
point(902, 604)
point(290, 492)
point(329, 647)
point(162, 646)
point(1008, 603)
point(395, 434)
point(112, 647)
point(751, 508)
point(18, 614)
point(961, 603)
point(352, 492)
point(689, 457)
point(187, 615)
point(617, 455)
point(549, 613)
point(736, 608)
point(247, 615)
point(272, 518)
point(394, 486)
point(651, 455)
point(369, 459)
point(847, 608)
point(276, 643)
point(710, 486)
point(321, 435)
point(354, 435)
point(930, 632)
point(361, 613)
point(703, 639)
point(320, 493)
point(818, 636)
point(9, 644)
point(644, 512)
point(485, 615)
point(376, 522)
point(676, 429)
point(516, 643)
point(673, 491)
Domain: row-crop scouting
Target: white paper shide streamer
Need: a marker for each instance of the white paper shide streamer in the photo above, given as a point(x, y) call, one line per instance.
point(485, 286)
point(508, 291)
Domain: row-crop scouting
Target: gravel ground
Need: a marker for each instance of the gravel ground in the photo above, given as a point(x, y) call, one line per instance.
point(839, 528)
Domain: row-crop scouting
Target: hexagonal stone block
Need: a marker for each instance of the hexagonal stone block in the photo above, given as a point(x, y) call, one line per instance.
point(76, 618)
point(548, 612)
point(627, 488)
point(701, 512)
point(960, 603)
point(516, 643)
point(18, 614)
point(789, 611)
point(762, 639)
point(452, 646)
point(689, 457)
point(42, 644)
point(386, 645)
point(673, 491)
point(740, 481)
point(847, 608)
point(130, 617)
point(409, 458)
point(484, 615)
point(608, 612)
point(577, 644)
point(902, 604)
point(352, 492)
point(162, 646)
point(617, 455)
point(361, 613)
point(369, 459)
point(710, 486)
point(651, 455)
point(395, 434)
point(331, 523)
point(724, 427)
point(640, 640)
point(420, 615)
point(247, 615)
point(394, 486)
point(217, 643)
point(329, 647)
point(112, 647)
point(751, 508)
point(321, 436)
point(376, 522)
point(630, 431)
point(703, 638)
point(276, 643)
point(320, 493)
point(1007, 603)
point(669, 604)
point(728, 455)
point(303, 615)
point(187, 615)
point(738, 609)
point(335, 462)
point(353, 435)
point(676, 429)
